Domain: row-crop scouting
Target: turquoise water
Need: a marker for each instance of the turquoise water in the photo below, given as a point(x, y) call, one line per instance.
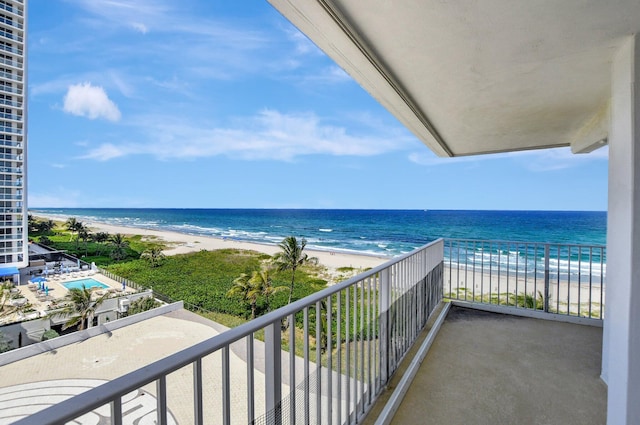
point(88, 283)
point(377, 232)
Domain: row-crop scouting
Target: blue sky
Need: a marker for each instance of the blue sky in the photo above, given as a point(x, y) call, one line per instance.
point(222, 104)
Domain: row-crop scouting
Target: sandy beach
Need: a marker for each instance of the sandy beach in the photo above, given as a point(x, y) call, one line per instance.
point(182, 243)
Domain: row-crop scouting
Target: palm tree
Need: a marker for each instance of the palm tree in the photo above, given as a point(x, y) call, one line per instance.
point(243, 286)
point(100, 238)
point(291, 257)
point(262, 282)
point(80, 307)
point(83, 233)
point(119, 247)
point(73, 226)
point(46, 226)
point(5, 293)
point(153, 255)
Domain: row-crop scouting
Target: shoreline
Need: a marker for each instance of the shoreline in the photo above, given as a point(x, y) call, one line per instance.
point(184, 243)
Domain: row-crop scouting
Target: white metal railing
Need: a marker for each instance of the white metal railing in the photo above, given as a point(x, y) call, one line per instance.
point(9, 89)
point(11, 130)
point(10, 62)
point(10, 9)
point(10, 183)
point(11, 22)
point(564, 279)
point(11, 76)
point(10, 103)
point(11, 36)
point(10, 144)
point(10, 49)
point(343, 344)
point(11, 170)
point(11, 157)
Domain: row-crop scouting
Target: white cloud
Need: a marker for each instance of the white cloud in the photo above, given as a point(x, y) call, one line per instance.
point(270, 135)
point(90, 101)
point(139, 27)
point(135, 14)
point(303, 46)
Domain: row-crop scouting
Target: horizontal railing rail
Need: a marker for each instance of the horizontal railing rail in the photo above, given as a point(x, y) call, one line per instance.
point(10, 9)
point(324, 358)
point(12, 63)
point(9, 89)
point(11, 49)
point(10, 183)
point(565, 279)
point(10, 103)
point(11, 36)
point(10, 144)
point(11, 22)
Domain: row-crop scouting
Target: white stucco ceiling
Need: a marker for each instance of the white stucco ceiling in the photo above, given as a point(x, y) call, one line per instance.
point(479, 76)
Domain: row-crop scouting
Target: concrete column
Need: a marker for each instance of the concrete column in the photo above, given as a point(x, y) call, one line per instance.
point(621, 350)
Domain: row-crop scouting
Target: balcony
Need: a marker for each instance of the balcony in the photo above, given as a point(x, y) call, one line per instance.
point(16, 237)
point(10, 170)
point(9, 89)
point(329, 357)
point(11, 22)
point(10, 9)
point(9, 102)
point(8, 75)
point(10, 144)
point(10, 36)
point(11, 130)
point(488, 368)
point(11, 157)
point(9, 183)
point(11, 63)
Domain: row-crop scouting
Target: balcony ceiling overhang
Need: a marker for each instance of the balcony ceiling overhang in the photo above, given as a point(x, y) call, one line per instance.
point(479, 76)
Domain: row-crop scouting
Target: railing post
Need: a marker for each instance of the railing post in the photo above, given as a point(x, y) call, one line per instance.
point(385, 295)
point(546, 277)
point(273, 375)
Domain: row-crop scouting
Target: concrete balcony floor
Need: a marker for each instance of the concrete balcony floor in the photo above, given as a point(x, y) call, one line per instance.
point(487, 368)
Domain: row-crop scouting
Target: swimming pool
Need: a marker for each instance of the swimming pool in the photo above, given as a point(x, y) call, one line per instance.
point(88, 283)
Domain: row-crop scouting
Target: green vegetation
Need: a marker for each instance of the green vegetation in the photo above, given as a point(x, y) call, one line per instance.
point(102, 248)
point(153, 255)
point(143, 304)
point(49, 334)
point(503, 298)
point(80, 307)
point(4, 344)
point(203, 279)
point(347, 269)
point(291, 257)
point(228, 286)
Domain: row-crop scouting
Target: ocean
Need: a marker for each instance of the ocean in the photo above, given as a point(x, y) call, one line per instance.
point(374, 232)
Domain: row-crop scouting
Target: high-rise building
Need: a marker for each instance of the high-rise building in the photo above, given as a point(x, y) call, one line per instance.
point(13, 129)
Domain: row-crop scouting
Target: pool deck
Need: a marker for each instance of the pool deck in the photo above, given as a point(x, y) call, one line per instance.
point(42, 303)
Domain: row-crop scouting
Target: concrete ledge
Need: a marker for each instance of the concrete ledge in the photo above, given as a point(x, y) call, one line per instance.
point(52, 344)
point(535, 314)
point(392, 405)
